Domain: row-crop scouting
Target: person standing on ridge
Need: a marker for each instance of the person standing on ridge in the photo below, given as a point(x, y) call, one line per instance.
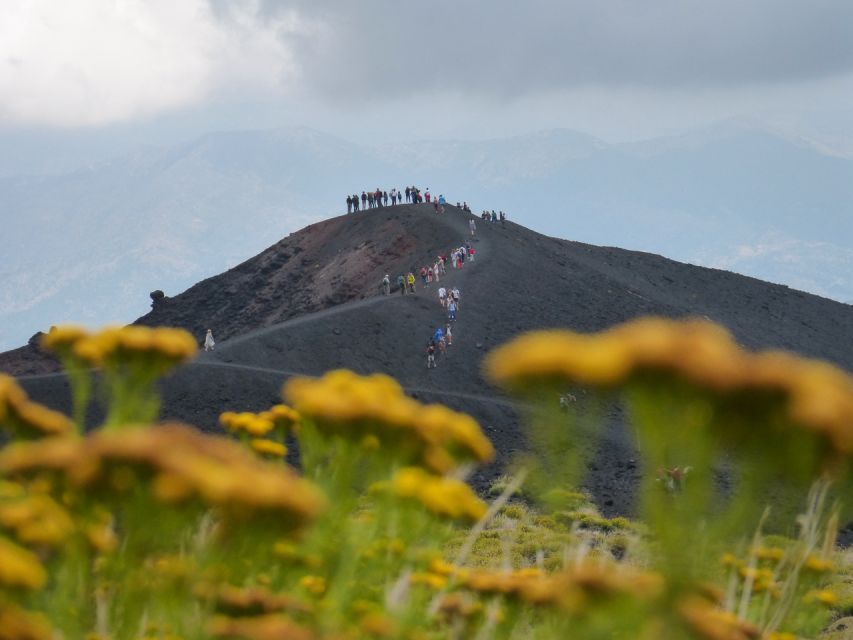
point(426, 196)
point(472, 226)
point(410, 280)
point(349, 204)
point(386, 284)
point(408, 195)
point(209, 343)
point(503, 219)
point(385, 197)
point(401, 282)
point(363, 200)
point(355, 203)
point(393, 197)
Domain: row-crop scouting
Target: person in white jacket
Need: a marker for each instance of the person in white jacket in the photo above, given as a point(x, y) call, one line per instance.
point(209, 343)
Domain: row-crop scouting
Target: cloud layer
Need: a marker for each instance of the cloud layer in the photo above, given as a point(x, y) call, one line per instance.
point(94, 62)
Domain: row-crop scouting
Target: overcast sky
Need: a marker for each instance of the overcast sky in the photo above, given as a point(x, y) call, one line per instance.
point(385, 69)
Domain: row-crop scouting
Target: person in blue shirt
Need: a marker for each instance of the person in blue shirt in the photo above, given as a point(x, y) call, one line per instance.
point(438, 335)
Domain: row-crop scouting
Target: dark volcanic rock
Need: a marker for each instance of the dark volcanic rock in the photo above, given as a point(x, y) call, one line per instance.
point(272, 318)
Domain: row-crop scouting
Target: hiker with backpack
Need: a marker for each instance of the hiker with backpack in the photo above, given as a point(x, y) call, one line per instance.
point(355, 203)
point(472, 226)
point(442, 296)
point(454, 295)
point(408, 195)
point(209, 343)
point(386, 284)
point(401, 282)
point(349, 204)
point(410, 280)
point(451, 310)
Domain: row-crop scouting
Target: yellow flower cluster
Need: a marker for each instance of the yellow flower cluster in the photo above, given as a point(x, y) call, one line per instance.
point(279, 418)
point(36, 520)
point(28, 419)
point(710, 623)
point(184, 463)
point(823, 596)
point(360, 407)
point(441, 495)
point(571, 589)
point(17, 624)
point(266, 627)
point(162, 346)
point(20, 568)
point(251, 601)
point(817, 395)
point(268, 448)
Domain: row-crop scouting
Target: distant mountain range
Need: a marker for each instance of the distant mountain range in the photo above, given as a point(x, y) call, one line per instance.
point(89, 244)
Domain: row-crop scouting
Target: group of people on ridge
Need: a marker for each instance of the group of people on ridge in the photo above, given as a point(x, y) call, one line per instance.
point(379, 198)
point(493, 217)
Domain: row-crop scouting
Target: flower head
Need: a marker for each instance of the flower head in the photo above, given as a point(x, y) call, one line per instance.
point(28, 419)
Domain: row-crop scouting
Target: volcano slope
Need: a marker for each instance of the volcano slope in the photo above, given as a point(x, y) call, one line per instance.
point(310, 303)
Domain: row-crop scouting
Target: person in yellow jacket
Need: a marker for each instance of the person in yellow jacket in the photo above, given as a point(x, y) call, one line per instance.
point(410, 279)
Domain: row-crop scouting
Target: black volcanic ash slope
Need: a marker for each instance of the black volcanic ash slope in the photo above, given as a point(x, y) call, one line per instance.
point(308, 304)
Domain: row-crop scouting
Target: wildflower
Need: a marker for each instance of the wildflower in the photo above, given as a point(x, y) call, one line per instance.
point(313, 584)
point(428, 579)
point(17, 624)
point(364, 408)
point(378, 625)
point(267, 627)
point(823, 596)
point(817, 564)
point(159, 348)
point(20, 568)
point(63, 338)
point(459, 605)
point(36, 520)
point(250, 423)
point(708, 622)
point(185, 465)
point(252, 601)
point(27, 419)
point(268, 448)
point(774, 554)
point(443, 496)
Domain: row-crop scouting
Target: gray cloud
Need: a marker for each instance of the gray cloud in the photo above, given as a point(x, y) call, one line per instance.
point(505, 49)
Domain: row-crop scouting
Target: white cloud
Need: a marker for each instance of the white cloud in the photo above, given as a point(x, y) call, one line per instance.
point(94, 62)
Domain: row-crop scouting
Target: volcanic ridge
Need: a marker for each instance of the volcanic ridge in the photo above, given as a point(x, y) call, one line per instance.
point(312, 302)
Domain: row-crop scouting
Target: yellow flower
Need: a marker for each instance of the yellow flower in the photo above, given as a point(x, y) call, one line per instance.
point(313, 584)
point(823, 596)
point(710, 623)
point(268, 448)
point(185, 464)
point(36, 520)
point(769, 553)
point(817, 564)
point(17, 624)
point(367, 409)
point(25, 418)
point(265, 627)
point(443, 496)
point(159, 347)
point(62, 338)
point(20, 568)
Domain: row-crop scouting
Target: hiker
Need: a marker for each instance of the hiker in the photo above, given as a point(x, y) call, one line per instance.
point(442, 296)
point(472, 226)
point(386, 284)
point(408, 194)
point(454, 294)
point(401, 282)
point(363, 200)
point(503, 219)
point(431, 355)
point(355, 203)
point(438, 335)
point(448, 335)
point(451, 310)
point(410, 280)
point(349, 204)
point(435, 271)
point(370, 200)
point(430, 275)
point(442, 346)
point(423, 276)
point(427, 195)
point(385, 197)
point(441, 262)
point(209, 344)
point(459, 259)
point(441, 199)
point(471, 254)
point(393, 197)
point(494, 216)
